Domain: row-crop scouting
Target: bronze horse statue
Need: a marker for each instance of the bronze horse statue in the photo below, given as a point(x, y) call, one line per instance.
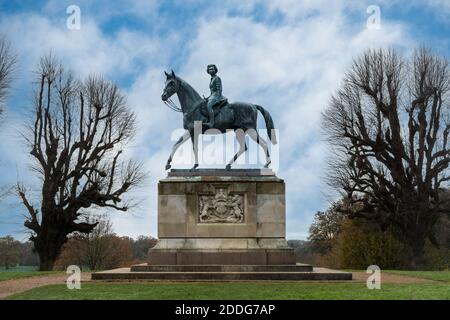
point(240, 117)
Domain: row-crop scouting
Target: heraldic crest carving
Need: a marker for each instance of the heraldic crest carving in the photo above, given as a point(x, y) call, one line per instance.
point(221, 207)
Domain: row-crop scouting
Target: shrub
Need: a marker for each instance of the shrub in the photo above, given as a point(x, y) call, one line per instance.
point(360, 245)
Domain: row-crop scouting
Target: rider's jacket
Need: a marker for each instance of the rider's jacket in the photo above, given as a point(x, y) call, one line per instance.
point(216, 91)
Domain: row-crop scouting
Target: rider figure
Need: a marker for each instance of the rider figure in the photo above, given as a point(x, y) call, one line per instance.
point(216, 96)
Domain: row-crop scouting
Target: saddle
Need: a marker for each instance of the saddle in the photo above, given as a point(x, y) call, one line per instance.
point(217, 107)
point(223, 113)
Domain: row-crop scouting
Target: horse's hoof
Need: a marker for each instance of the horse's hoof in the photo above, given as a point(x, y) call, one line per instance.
point(168, 166)
point(194, 167)
point(228, 167)
point(267, 165)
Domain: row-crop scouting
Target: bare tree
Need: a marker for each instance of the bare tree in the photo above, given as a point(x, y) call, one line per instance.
point(7, 63)
point(388, 126)
point(76, 140)
point(101, 249)
point(141, 246)
point(326, 227)
point(9, 252)
point(98, 245)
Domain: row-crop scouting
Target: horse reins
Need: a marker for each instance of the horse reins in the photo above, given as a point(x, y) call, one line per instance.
point(171, 105)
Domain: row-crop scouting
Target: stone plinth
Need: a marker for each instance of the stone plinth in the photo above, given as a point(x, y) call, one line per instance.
point(221, 225)
point(221, 217)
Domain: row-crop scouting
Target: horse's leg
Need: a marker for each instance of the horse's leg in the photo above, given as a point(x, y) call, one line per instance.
point(240, 135)
point(185, 137)
point(257, 138)
point(194, 138)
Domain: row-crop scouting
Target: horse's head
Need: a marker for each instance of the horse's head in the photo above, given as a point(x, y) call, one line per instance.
point(171, 87)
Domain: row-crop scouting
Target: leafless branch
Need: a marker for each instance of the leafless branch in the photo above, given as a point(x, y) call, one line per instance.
point(78, 132)
point(389, 131)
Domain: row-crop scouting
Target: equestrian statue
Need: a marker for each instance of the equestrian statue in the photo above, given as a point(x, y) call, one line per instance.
point(215, 113)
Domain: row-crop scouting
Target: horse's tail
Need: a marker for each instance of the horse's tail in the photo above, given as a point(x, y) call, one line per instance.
point(269, 124)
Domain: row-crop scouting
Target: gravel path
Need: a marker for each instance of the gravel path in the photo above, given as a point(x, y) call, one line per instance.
point(391, 278)
point(10, 287)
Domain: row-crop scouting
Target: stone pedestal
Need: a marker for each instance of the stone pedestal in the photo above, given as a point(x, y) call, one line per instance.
point(221, 217)
point(221, 225)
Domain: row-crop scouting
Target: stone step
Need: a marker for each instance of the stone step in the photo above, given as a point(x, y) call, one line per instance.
point(127, 274)
point(222, 268)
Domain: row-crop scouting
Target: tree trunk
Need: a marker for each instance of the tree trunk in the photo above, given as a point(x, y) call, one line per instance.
point(48, 246)
point(415, 210)
point(46, 263)
point(417, 258)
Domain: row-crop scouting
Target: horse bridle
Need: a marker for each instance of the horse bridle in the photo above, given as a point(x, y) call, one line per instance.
point(169, 102)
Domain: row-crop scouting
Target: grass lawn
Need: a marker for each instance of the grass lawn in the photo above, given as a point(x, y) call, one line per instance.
point(19, 268)
point(21, 272)
point(430, 275)
point(238, 291)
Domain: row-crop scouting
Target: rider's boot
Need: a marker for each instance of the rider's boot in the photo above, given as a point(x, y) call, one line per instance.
point(210, 124)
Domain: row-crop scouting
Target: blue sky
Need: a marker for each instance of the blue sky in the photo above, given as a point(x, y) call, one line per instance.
point(288, 56)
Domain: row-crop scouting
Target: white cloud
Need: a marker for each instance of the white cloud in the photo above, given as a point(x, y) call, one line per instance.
point(290, 67)
point(104, 10)
point(86, 51)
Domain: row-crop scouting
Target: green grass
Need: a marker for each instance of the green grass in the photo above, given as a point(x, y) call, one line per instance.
point(20, 275)
point(19, 269)
point(237, 291)
point(430, 275)
point(22, 272)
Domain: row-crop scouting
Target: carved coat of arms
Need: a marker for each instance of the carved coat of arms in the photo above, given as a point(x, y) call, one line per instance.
point(221, 207)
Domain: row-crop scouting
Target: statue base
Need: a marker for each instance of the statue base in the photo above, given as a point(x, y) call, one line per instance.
point(221, 225)
point(212, 252)
point(221, 217)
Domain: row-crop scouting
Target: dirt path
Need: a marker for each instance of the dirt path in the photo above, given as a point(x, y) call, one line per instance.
point(391, 278)
point(10, 287)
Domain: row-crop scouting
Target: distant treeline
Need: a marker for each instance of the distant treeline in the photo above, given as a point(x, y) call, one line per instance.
point(14, 252)
point(338, 241)
point(104, 252)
